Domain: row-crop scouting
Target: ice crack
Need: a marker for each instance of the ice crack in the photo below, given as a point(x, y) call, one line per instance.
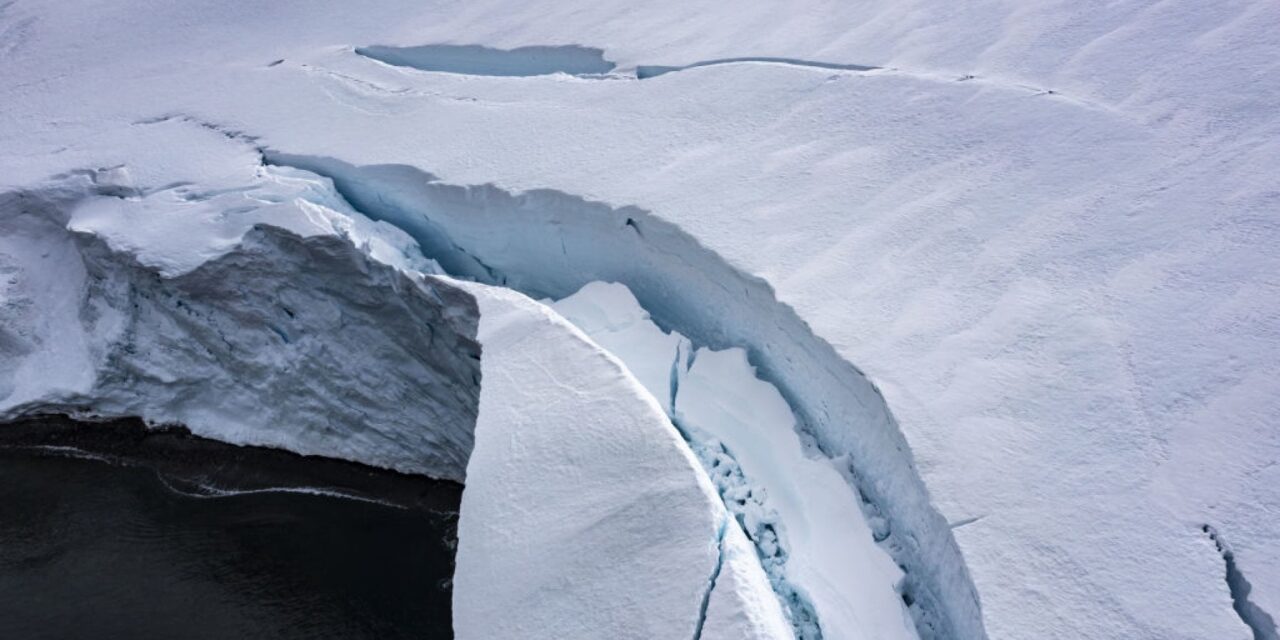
point(1259, 621)
point(715, 576)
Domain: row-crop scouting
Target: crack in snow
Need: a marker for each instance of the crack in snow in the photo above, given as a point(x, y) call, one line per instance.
point(964, 522)
point(715, 575)
point(738, 497)
point(1258, 620)
point(652, 71)
point(590, 63)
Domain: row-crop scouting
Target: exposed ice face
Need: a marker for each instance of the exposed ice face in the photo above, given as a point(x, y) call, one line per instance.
point(585, 514)
point(263, 313)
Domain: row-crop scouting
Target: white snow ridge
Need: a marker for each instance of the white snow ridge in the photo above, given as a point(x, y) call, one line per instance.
point(871, 319)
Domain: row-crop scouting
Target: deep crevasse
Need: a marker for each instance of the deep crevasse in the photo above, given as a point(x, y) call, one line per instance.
point(803, 516)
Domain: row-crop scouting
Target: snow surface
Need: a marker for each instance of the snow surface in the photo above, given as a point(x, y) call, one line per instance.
point(585, 515)
point(1045, 231)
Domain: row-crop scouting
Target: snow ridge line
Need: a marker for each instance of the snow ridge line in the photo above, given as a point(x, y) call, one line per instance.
point(1259, 621)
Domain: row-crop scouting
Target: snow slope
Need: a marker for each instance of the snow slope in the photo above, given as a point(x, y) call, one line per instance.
point(1045, 231)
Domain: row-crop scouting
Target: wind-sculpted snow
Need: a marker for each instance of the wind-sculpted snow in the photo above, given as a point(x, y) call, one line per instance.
point(486, 61)
point(548, 244)
point(290, 337)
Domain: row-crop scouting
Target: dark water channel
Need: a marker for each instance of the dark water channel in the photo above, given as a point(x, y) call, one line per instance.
point(95, 542)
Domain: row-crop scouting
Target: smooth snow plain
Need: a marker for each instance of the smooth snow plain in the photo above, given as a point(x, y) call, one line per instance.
point(1044, 231)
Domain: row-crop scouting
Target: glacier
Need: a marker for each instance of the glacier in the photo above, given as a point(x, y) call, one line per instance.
point(1010, 263)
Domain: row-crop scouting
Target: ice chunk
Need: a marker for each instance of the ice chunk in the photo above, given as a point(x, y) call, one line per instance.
point(585, 515)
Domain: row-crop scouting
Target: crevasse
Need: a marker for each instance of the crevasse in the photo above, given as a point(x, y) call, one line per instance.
point(548, 244)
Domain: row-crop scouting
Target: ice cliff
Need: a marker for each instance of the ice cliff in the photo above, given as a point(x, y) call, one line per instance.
point(251, 312)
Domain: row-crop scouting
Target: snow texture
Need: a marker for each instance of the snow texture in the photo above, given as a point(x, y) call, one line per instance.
point(585, 515)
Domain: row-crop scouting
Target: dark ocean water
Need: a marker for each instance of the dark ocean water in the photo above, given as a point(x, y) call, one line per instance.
point(96, 550)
